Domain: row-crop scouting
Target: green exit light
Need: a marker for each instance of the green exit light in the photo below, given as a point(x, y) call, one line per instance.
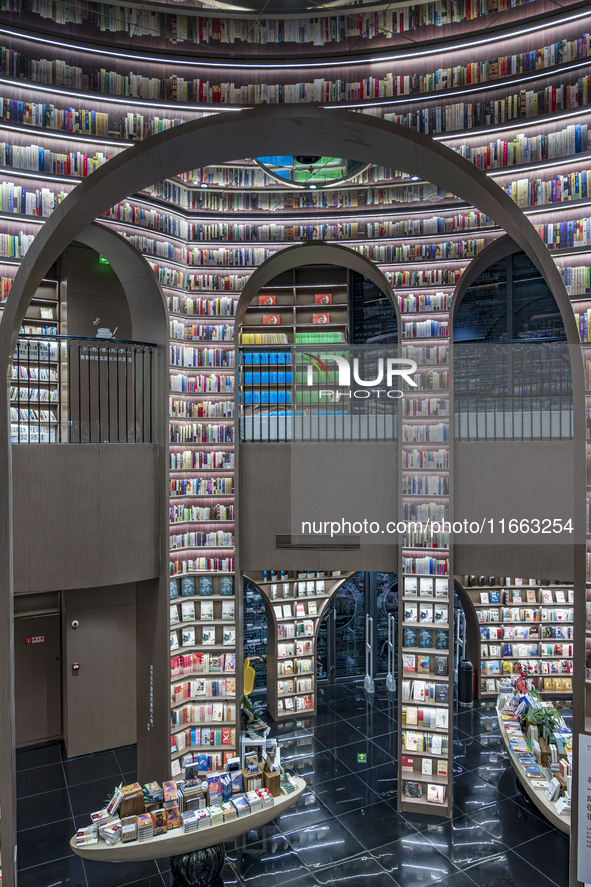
point(103, 261)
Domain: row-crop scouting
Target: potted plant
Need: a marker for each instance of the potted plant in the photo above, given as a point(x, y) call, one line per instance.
point(545, 718)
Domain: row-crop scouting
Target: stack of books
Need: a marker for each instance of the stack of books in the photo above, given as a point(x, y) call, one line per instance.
point(145, 827)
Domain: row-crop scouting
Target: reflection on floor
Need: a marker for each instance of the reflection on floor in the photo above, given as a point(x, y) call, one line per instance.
point(344, 830)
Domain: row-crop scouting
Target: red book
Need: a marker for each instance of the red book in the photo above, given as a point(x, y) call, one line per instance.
point(323, 298)
point(407, 762)
point(271, 319)
point(267, 300)
point(321, 318)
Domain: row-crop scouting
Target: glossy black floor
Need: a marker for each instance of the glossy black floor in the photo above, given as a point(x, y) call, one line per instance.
point(344, 830)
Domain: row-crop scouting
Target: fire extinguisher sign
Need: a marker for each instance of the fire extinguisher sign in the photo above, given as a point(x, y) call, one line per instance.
point(40, 639)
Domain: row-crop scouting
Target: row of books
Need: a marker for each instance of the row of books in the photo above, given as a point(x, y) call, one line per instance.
point(424, 638)
point(202, 539)
point(199, 662)
point(333, 27)
point(194, 433)
point(203, 586)
point(195, 737)
point(425, 664)
point(180, 514)
point(427, 539)
point(547, 684)
point(200, 713)
point(294, 666)
point(295, 703)
point(201, 565)
point(425, 612)
point(432, 566)
point(203, 409)
point(424, 691)
point(295, 629)
point(425, 485)
point(191, 636)
point(300, 685)
point(202, 687)
point(426, 406)
point(197, 487)
point(204, 459)
point(522, 650)
point(202, 611)
point(193, 90)
point(435, 744)
point(529, 595)
point(525, 614)
point(531, 632)
point(435, 433)
point(531, 666)
point(428, 718)
point(299, 648)
point(198, 333)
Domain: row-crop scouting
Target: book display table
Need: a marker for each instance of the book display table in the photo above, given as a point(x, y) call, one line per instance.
point(536, 794)
point(196, 857)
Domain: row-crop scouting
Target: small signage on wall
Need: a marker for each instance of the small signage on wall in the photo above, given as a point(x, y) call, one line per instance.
point(584, 805)
point(39, 639)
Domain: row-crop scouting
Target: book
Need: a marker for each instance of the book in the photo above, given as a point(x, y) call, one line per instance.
point(322, 298)
point(188, 611)
point(408, 662)
point(426, 613)
point(425, 586)
point(206, 611)
point(413, 789)
point(174, 614)
point(174, 589)
point(228, 610)
point(226, 585)
point(188, 637)
point(208, 637)
point(440, 665)
point(441, 588)
point(229, 637)
point(205, 585)
point(410, 586)
point(410, 612)
point(271, 319)
point(407, 762)
point(267, 300)
point(409, 637)
point(435, 793)
point(423, 664)
point(426, 638)
point(188, 586)
point(321, 318)
point(427, 767)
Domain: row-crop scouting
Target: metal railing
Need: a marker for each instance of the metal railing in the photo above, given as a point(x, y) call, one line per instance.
point(512, 391)
point(76, 389)
point(298, 393)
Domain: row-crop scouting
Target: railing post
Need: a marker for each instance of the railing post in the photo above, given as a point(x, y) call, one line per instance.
point(368, 683)
point(390, 679)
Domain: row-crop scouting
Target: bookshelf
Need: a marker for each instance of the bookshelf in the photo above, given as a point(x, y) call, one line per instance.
point(426, 694)
point(295, 603)
point(35, 376)
point(301, 305)
point(520, 623)
point(204, 242)
point(426, 622)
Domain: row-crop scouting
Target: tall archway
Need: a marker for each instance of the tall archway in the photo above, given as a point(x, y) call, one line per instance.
point(273, 129)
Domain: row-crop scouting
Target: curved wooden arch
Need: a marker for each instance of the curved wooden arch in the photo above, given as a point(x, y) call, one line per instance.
point(273, 129)
point(314, 253)
point(272, 623)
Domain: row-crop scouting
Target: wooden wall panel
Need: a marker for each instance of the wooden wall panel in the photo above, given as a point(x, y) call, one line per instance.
point(85, 515)
point(266, 502)
point(497, 479)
